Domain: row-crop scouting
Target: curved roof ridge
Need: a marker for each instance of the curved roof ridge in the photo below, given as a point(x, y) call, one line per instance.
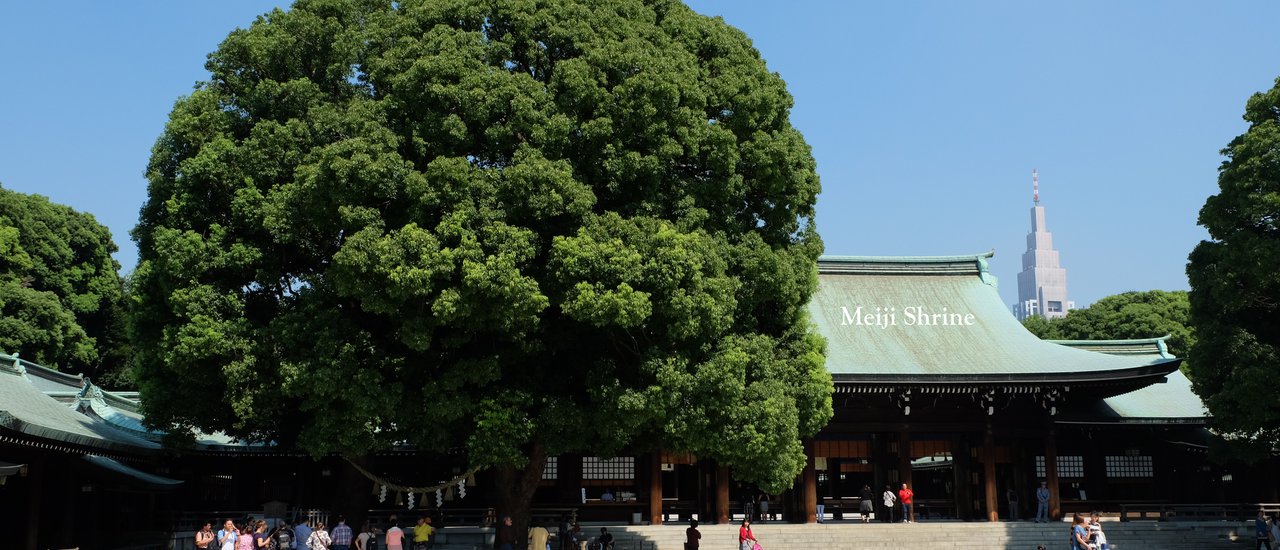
point(1130, 346)
point(909, 259)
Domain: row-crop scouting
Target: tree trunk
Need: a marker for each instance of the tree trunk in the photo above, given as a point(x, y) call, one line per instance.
point(514, 491)
point(353, 497)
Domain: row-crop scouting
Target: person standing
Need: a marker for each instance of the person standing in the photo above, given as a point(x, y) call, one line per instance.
point(319, 539)
point(867, 504)
point(204, 537)
point(563, 532)
point(746, 539)
point(906, 496)
point(1012, 496)
point(692, 538)
point(341, 535)
point(227, 536)
point(506, 534)
point(889, 500)
point(366, 534)
point(424, 531)
point(302, 534)
point(395, 535)
point(1042, 502)
point(538, 537)
point(244, 540)
point(764, 507)
point(284, 536)
point(1261, 531)
point(261, 539)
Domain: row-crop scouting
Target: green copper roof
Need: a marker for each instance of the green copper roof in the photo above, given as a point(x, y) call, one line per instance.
point(923, 317)
point(25, 408)
point(1171, 400)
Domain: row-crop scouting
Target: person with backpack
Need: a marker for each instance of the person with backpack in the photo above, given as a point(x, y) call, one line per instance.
point(283, 539)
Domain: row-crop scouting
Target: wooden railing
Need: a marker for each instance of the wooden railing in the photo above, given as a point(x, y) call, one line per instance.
point(1236, 511)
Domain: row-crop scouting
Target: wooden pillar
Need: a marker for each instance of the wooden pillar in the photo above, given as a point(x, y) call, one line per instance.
point(810, 493)
point(35, 488)
point(989, 472)
point(1051, 473)
point(655, 488)
point(962, 478)
point(722, 495)
point(904, 459)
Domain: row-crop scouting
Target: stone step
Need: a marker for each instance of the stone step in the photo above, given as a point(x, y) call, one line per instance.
point(935, 536)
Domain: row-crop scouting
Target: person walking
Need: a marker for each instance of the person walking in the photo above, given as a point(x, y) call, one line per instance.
point(889, 500)
point(746, 539)
point(1042, 502)
point(204, 537)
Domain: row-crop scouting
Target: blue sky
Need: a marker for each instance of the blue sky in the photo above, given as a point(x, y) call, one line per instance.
point(926, 117)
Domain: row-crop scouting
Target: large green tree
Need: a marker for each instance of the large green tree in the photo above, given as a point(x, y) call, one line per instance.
point(517, 228)
point(61, 295)
point(1235, 283)
point(1132, 314)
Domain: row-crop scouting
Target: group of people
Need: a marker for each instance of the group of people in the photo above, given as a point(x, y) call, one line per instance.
point(1266, 530)
point(250, 534)
point(889, 500)
point(1087, 535)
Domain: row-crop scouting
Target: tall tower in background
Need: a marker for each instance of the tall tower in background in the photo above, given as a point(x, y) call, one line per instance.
point(1042, 284)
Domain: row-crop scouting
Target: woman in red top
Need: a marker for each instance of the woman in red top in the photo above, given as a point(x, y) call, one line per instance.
point(746, 540)
point(904, 496)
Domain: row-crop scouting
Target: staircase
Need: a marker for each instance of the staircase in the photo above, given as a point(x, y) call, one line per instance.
point(942, 535)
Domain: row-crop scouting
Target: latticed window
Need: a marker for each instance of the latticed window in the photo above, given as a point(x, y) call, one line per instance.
point(1130, 466)
point(552, 469)
point(612, 469)
point(1068, 466)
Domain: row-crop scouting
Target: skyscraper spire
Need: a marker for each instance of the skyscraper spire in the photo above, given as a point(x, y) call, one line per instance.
point(1035, 187)
point(1042, 284)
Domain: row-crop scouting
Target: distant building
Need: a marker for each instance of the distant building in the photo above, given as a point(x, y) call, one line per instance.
point(1042, 284)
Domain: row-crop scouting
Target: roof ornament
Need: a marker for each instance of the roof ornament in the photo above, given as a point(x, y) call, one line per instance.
point(904, 401)
point(1035, 187)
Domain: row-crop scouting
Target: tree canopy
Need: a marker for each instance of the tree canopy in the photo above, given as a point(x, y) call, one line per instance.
point(1235, 283)
point(516, 228)
point(61, 295)
point(1126, 315)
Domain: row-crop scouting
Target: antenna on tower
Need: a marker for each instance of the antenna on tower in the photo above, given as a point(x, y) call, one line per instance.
point(1035, 187)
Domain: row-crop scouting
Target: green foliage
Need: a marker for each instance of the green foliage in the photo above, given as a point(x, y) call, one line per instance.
point(1122, 316)
point(575, 225)
point(61, 296)
point(1235, 283)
